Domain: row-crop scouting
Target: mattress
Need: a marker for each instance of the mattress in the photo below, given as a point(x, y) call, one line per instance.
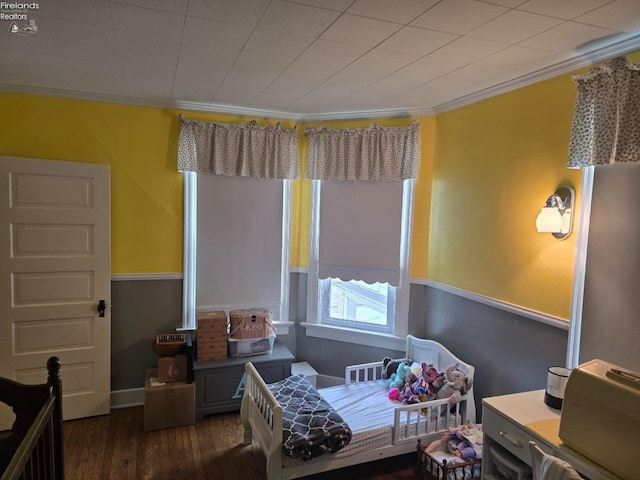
point(369, 413)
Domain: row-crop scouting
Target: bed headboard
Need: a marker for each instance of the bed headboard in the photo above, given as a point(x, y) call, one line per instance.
point(430, 351)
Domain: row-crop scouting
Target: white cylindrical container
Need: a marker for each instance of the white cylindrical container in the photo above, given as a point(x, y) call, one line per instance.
point(557, 378)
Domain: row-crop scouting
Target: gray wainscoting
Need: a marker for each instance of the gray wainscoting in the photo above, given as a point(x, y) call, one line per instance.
point(141, 310)
point(511, 353)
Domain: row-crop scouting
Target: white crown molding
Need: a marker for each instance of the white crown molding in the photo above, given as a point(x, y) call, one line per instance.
point(626, 43)
point(598, 51)
point(120, 277)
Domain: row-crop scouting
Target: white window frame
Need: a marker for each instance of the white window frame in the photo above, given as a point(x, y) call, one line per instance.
point(314, 325)
point(281, 318)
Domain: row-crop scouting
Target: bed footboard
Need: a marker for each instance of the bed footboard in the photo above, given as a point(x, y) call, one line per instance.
point(262, 420)
point(427, 419)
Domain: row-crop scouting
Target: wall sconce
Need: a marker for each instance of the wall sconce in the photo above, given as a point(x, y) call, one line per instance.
point(556, 217)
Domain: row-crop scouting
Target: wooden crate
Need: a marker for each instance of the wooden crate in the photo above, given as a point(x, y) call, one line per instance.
point(251, 323)
point(212, 335)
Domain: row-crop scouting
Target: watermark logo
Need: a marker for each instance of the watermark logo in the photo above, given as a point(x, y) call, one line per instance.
point(17, 14)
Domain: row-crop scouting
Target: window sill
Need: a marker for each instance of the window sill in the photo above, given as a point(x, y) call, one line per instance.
point(349, 335)
point(282, 328)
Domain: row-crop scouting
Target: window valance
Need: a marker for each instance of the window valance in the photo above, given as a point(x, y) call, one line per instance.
point(605, 125)
point(373, 153)
point(244, 149)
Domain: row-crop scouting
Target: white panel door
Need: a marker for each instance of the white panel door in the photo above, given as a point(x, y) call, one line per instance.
point(55, 267)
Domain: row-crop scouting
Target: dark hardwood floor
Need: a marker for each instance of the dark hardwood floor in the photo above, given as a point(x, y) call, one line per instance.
point(116, 446)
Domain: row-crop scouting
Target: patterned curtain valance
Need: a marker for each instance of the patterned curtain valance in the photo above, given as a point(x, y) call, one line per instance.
point(244, 149)
point(605, 121)
point(374, 153)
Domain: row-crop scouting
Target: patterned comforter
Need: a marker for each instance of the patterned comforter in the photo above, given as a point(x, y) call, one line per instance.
point(311, 427)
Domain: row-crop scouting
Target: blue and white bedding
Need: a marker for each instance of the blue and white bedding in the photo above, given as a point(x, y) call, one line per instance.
point(311, 426)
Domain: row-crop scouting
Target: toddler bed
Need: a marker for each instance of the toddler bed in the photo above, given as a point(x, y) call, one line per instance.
point(374, 427)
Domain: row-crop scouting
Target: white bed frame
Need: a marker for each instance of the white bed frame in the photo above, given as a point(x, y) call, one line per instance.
point(262, 415)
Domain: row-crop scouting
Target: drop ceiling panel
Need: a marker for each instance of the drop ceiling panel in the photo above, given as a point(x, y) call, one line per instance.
point(308, 57)
point(458, 16)
point(401, 12)
point(417, 41)
point(358, 30)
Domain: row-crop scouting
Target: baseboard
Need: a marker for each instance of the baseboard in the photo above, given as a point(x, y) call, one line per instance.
point(132, 397)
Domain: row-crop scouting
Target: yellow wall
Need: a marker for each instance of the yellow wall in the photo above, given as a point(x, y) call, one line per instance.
point(486, 170)
point(138, 143)
point(496, 163)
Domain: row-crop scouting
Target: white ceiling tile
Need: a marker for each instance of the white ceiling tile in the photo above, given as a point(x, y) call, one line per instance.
point(109, 84)
point(93, 12)
point(620, 15)
point(145, 83)
point(30, 43)
point(426, 69)
point(240, 12)
point(288, 43)
point(284, 90)
point(143, 42)
point(337, 5)
point(359, 30)
point(148, 60)
point(198, 81)
point(376, 64)
point(566, 9)
point(469, 50)
point(514, 26)
point(208, 52)
point(94, 67)
point(40, 61)
point(567, 36)
point(174, 6)
point(398, 11)
point(79, 32)
point(507, 3)
point(220, 33)
point(417, 41)
point(271, 60)
point(324, 58)
point(89, 52)
point(242, 85)
point(458, 16)
point(296, 18)
point(518, 58)
point(145, 20)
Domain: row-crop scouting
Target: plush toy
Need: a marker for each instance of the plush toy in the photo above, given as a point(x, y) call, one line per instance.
point(457, 441)
point(398, 378)
point(394, 394)
point(434, 380)
point(456, 384)
point(390, 366)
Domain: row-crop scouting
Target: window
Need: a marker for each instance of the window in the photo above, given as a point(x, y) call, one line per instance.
point(236, 244)
point(359, 262)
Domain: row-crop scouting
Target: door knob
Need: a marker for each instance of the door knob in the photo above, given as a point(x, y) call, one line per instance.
point(102, 306)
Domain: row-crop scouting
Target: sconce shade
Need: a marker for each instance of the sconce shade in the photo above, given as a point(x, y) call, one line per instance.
point(549, 220)
point(557, 214)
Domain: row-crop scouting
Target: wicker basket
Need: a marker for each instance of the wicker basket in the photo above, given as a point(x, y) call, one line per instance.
point(251, 323)
point(212, 335)
point(430, 468)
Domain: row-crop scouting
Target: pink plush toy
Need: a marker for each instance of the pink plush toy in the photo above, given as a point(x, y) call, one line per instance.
point(393, 394)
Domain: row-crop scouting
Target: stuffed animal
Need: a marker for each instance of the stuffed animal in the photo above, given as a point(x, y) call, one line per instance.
point(390, 366)
point(456, 385)
point(398, 378)
point(456, 441)
point(434, 380)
